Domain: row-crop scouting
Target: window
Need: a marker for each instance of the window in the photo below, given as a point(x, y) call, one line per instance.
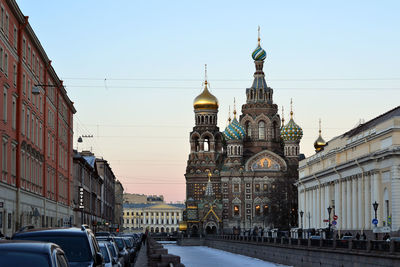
point(236, 188)
point(265, 210)
point(29, 89)
point(261, 130)
point(15, 37)
point(9, 221)
point(236, 210)
point(1, 58)
point(4, 155)
point(23, 119)
point(258, 210)
point(7, 25)
point(2, 18)
point(257, 188)
point(265, 187)
point(29, 55)
point(6, 64)
point(27, 124)
point(24, 83)
point(23, 48)
point(206, 144)
point(14, 112)
point(5, 104)
point(15, 74)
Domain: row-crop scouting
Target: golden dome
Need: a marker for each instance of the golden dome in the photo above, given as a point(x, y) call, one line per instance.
point(205, 100)
point(319, 144)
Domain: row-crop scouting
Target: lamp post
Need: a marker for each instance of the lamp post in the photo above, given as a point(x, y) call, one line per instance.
point(329, 221)
point(301, 216)
point(375, 205)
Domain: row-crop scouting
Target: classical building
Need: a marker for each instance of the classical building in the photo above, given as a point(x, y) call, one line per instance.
point(35, 127)
point(242, 178)
point(142, 199)
point(153, 217)
point(349, 174)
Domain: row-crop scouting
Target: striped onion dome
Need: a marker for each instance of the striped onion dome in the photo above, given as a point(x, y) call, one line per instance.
point(234, 131)
point(259, 54)
point(291, 131)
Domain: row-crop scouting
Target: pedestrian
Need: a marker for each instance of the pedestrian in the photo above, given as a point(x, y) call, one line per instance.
point(364, 237)
point(358, 236)
point(145, 236)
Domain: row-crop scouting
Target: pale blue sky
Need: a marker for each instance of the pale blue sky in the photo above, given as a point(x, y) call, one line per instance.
point(339, 61)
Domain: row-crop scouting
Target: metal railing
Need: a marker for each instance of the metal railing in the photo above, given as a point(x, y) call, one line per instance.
point(392, 247)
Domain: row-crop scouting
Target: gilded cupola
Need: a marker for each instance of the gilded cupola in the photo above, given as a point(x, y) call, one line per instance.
point(320, 143)
point(205, 100)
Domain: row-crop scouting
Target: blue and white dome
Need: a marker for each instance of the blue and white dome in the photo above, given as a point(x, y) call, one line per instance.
point(234, 131)
point(291, 132)
point(259, 54)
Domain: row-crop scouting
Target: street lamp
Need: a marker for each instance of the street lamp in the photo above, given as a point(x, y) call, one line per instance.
point(375, 205)
point(301, 216)
point(329, 221)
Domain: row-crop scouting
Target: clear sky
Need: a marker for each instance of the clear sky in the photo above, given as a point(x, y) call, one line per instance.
point(133, 68)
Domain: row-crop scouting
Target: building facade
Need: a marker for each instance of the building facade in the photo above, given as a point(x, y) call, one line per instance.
point(349, 174)
point(142, 199)
point(251, 166)
point(36, 129)
point(156, 218)
point(118, 210)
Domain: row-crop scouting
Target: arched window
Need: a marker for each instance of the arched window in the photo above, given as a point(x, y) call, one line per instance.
point(235, 150)
point(248, 129)
point(196, 144)
point(206, 144)
point(239, 151)
point(260, 95)
point(251, 94)
point(258, 210)
point(265, 210)
point(206, 119)
point(261, 130)
point(202, 119)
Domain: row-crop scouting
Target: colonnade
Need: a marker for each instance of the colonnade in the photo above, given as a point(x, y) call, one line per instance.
point(351, 200)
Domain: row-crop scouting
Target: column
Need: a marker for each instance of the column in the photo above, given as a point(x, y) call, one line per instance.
point(395, 174)
point(377, 194)
point(313, 213)
point(144, 219)
point(338, 207)
point(344, 204)
point(348, 204)
point(324, 214)
point(318, 207)
point(354, 204)
point(360, 202)
point(367, 205)
point(165, 218)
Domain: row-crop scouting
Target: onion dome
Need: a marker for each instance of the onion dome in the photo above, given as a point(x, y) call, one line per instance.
point(259, 53)
point(205, 100)
point(234, 131)
point(320, 143)
point(291, 131)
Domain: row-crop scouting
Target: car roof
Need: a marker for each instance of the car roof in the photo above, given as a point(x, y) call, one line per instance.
point(52, 232)
point(27, 246)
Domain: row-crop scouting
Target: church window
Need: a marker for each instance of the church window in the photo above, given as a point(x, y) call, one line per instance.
point(248, 129)
point(239, 151)
point(236, 188)
point(258, 210)
point(202, 119)
point(206, 119)
point(265, 210)
point(257, 188)
point(260, 94)
point(235, 150)
point(236, 210)
point(206, 144)
point(196, 144)
point(261, 130)
point(265, 187)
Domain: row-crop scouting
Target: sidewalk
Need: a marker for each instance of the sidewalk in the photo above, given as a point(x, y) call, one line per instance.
point(141, 260)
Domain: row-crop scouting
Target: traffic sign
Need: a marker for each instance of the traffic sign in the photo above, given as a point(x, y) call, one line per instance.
point(335, 217)
point(375, 221)
point(334, 222)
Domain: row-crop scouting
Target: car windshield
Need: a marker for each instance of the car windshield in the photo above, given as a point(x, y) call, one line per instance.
point(76, 248)
point(104, 252)
point(120, 243)
point(20, 259)
point(112, 249)
point(127, 243)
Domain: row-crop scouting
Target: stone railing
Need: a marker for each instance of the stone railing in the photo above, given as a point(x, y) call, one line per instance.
point(392, 247)
point(158, 256)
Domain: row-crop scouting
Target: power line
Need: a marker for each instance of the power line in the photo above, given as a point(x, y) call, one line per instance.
point(234, 80)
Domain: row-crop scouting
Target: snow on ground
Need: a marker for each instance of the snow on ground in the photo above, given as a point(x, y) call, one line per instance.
point(199, 256)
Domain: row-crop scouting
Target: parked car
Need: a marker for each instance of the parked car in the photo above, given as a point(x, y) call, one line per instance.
point(120, 257)
point(347, 237)
point(122, 250)
point(18, 253)
point(109, 260)
point(130, 246)
point(79, 244)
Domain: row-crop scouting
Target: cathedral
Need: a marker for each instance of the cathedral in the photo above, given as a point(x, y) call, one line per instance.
point(242, 178)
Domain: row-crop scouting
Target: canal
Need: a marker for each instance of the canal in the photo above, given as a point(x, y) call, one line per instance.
point(199, 256)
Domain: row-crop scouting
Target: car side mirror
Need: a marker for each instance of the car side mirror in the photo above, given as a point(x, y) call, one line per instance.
point(99, 259)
